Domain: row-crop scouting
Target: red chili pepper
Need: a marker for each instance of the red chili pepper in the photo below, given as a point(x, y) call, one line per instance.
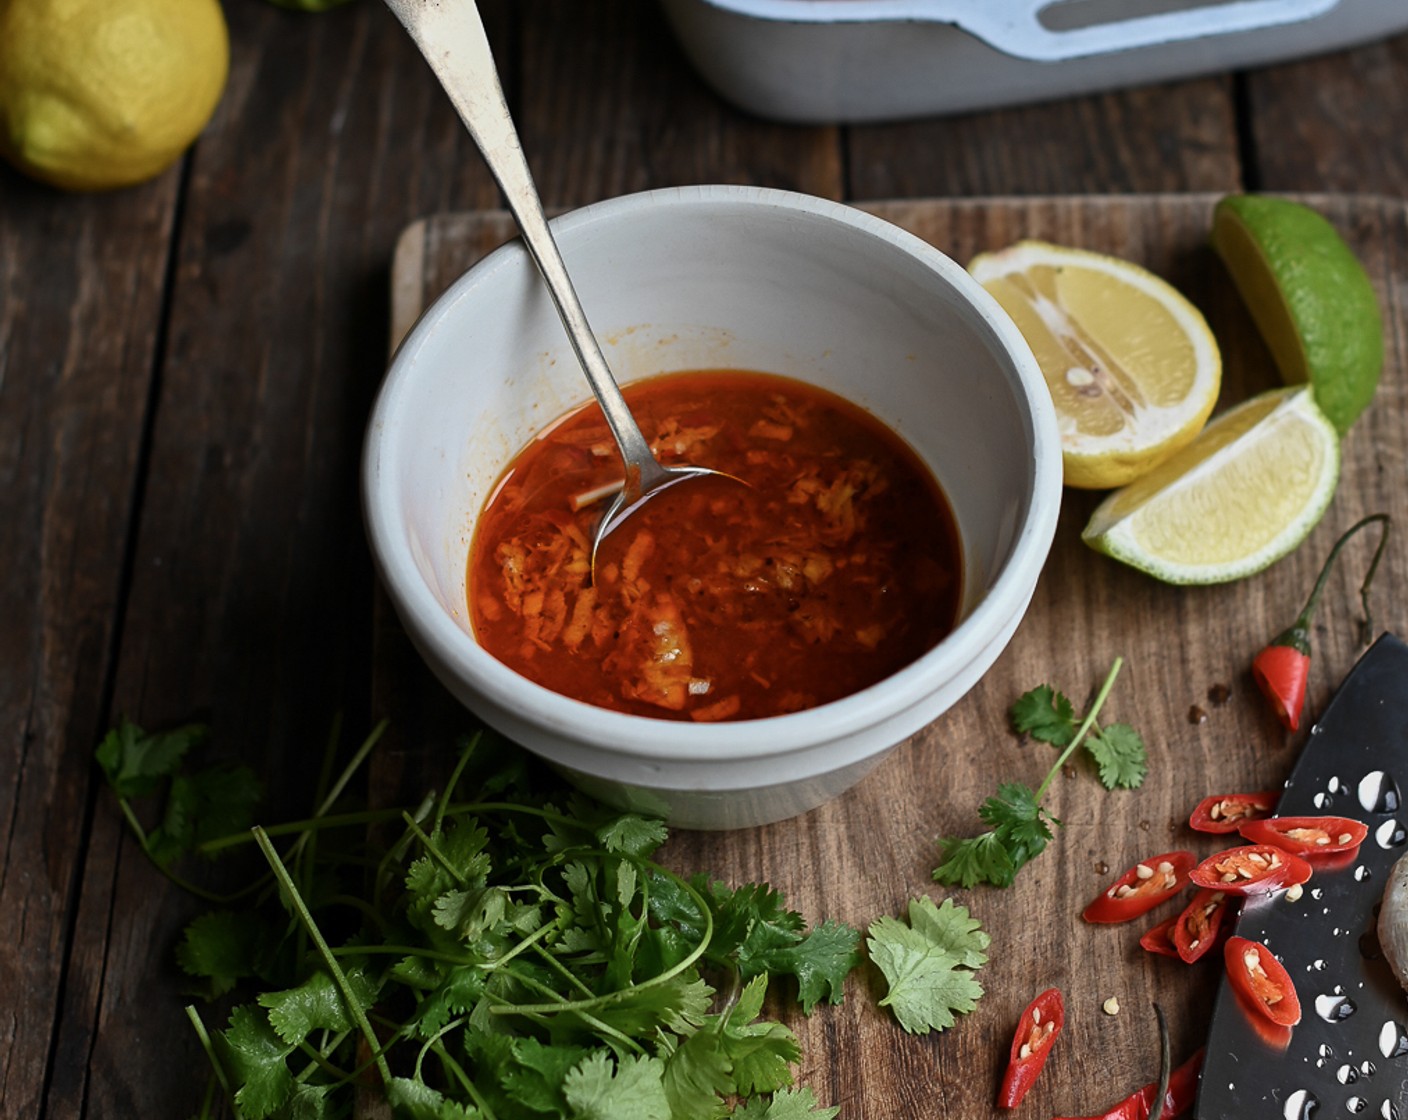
point(1308, 836)
point(1262, 980)
point(1141, 888)
point(1225, 812)
point(1283, 667)
point(1197, 929)
point(1252, 869)
point(1041, 1022)
point(1160, 939)
point(1182, 1092)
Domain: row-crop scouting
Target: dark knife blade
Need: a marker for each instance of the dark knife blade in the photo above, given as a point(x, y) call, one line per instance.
point(1348, 1056)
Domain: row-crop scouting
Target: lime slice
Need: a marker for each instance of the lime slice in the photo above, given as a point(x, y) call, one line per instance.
point(1309, 296)
point(1239, 497)
point(1132, 367)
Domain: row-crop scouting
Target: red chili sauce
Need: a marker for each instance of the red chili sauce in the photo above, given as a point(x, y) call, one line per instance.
point(836, 565)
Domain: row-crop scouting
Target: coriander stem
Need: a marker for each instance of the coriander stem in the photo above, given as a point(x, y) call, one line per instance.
point(457, 1071)
point(1085, 725)
point(463, 761)
point(354, 1007)
point(201, 1033)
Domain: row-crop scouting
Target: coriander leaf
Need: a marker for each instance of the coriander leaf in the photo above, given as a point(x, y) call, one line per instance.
point(257, 1060)
point(969, 861)
point(697, 1075)
point(470, 914)
point(1119, 753)
point(1045, 714)
point(316, 1004)
point(820, 961)
point(203, 806)
point(307, 1102)
point(786, 1104)
point(532, 1073)
point(927, 982)
point(454, 995)
point(136, 762)
point(949, 927)
point(680, 1003)
point(633, 1091)
point(1018, 818)
point(225, 947)
point(415, 1100)
point(759, 1053)
point(632, 835)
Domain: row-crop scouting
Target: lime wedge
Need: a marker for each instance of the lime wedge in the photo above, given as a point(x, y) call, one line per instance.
point(1239, 497)
point(1309, 296)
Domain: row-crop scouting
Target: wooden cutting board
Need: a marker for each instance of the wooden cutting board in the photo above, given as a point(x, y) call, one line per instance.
point(1186, 686)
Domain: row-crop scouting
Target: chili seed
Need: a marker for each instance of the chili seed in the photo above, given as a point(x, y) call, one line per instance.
point(1216, 811)
point(1293, 893)
point(1025, 1051)
point(1036, 1015)
point(1165, 866)
point(1111, 1006)
point(1345, 838)
point(1144, 871)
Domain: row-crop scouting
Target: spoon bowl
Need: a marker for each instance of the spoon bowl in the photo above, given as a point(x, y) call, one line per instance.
point(451, 37)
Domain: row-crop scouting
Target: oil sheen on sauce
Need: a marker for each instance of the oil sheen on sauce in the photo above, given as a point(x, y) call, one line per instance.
point(837, 564)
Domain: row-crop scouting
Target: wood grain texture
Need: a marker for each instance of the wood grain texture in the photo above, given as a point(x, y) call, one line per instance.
point(1175, 137)
point(81, 285)
point(1332, 123)
point(869, 851)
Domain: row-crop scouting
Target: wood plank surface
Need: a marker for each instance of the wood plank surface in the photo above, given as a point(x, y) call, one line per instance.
point(1186, 686)
point(81, 290)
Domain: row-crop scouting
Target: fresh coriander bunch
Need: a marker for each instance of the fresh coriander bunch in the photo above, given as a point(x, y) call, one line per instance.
point(512, 954)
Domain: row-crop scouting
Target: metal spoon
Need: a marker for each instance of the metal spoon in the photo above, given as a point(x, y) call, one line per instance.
point(450, 34)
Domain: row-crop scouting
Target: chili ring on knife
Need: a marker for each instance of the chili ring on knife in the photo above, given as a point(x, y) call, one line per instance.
point(1262, 981)
point(1251, 869)
point(1307, 836)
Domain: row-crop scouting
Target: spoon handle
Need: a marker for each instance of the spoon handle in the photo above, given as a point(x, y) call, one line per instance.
point(450, 34)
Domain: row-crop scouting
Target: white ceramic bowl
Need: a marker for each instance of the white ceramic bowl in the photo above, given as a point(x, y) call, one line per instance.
point(708, 278)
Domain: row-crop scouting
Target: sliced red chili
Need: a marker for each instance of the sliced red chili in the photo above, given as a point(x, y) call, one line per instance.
point(1141, 888)
point(1182, 1092)
point(1041, 1022)
point(1262, 980)
point(1224, 812)
point(1252, 869)
point(1160, 939)
point(1198, 928)
point(1308, 836)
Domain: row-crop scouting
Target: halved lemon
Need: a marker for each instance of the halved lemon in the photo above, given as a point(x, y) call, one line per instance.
point(1239, 497)
point(1132, 367)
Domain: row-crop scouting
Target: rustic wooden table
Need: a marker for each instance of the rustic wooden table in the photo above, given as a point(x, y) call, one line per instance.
point(185, 370)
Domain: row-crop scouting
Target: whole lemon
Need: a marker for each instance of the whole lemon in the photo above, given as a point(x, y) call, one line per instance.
point(97, 94)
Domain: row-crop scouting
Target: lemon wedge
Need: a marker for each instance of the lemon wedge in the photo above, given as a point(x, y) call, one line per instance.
point(1239, 497)
point(1132, 367)
point(1310, 297)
